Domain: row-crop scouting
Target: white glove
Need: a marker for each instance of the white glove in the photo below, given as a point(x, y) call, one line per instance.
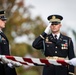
point(4, 60)
point(10, 63)
point(14, 64)
point(73, 61)
point(48, 30)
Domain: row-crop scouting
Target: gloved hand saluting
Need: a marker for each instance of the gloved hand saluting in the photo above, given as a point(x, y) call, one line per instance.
point(48, 30)
point(10, 63)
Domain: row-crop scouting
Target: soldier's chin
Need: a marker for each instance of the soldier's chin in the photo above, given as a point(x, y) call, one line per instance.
point(55, 31)
point(3, 27)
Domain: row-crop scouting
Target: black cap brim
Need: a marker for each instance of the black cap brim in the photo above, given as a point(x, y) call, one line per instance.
point(3, 18)
point(55, 23)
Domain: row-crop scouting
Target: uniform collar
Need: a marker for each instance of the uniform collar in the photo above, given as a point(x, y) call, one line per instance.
point(58, 35)
point(1, 31)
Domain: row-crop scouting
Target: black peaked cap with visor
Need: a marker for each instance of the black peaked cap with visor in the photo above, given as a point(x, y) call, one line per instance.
point(2, 15)
point(55, 19)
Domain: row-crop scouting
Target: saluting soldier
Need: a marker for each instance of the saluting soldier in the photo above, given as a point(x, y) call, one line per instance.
point(56, 46)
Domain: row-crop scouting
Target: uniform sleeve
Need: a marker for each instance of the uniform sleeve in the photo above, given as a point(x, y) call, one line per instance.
point(38, 42)
point(70, 56)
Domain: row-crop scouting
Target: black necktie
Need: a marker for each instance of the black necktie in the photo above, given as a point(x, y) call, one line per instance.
point(55, 37)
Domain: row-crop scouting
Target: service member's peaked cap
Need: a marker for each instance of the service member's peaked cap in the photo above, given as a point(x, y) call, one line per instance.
point(55, 18)
point(2, 15)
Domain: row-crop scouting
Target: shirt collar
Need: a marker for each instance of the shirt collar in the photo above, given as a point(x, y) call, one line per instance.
point(58, 35)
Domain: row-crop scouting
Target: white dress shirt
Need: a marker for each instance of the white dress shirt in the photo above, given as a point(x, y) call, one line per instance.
point(58, 35)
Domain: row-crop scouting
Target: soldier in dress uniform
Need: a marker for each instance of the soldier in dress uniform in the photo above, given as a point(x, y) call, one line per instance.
point(56, 46)
point(4, 47)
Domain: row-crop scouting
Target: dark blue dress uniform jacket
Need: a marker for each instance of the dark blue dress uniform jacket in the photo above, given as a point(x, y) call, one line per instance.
point(63, 47)
point(4, 50)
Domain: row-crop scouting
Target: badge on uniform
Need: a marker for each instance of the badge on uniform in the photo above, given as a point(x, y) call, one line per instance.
point(3, 38)
point(65, 45)
point(47, 39)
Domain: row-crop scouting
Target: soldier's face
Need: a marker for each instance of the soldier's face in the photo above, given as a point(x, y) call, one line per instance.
point(2, 24)
point(55, 28)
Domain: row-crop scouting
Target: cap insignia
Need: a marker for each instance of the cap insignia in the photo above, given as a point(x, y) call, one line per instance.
point(53, 17)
